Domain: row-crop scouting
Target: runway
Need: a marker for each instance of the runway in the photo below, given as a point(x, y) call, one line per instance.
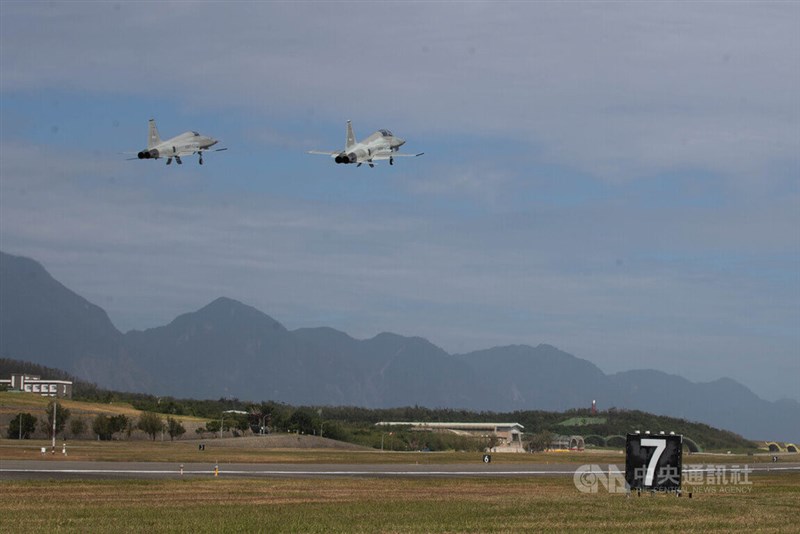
point(44, 470)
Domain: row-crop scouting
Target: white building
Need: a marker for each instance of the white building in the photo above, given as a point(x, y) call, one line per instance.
point(35, 384)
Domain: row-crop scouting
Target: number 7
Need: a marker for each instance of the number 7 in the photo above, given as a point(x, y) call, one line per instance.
point(660, 445)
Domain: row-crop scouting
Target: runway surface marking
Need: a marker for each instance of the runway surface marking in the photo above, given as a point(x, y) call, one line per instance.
point(350, 473)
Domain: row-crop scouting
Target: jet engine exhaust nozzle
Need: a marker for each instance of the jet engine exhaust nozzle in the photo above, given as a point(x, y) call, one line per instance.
point(346, 158)
point(147, 154)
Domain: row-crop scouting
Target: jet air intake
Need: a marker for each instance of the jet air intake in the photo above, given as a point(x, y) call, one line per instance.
point(147, 154)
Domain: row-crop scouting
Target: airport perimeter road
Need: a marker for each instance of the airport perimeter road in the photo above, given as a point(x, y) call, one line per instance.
point(39, 470)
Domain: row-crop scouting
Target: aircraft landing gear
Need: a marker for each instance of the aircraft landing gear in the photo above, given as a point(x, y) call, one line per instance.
point(178, 160)
point(391, 161)
point(201, 159)
point(169, 161)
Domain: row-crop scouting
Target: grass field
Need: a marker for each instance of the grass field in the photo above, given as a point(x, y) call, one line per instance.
point(228, 451)
point(12, 403)
point(534, 504)
point(376, 505)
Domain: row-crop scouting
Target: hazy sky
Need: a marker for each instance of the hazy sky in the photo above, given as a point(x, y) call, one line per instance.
point(620, 180)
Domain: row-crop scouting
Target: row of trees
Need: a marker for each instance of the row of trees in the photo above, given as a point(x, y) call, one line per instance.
point(104, 426)
point(22, 426)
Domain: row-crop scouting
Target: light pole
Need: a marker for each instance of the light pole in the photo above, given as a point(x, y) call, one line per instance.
point(222, 418)
point(55, 404)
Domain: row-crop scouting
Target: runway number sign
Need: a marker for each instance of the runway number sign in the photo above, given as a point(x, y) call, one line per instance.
point(653, 462)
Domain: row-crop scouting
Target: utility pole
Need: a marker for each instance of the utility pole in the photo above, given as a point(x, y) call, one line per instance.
point(55, 404)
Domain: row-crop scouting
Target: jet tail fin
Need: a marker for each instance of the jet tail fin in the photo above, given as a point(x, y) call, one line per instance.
point(153, 138)
point(351, 138)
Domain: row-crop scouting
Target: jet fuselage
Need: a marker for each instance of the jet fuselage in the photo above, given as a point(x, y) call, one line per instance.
point(381, 144)
point(181, 145)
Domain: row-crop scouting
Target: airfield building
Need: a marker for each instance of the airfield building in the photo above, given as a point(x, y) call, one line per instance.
point(35, 384)
point(509, 435)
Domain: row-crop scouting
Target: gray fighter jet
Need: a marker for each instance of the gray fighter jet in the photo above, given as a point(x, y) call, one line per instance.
point(381, 145)
point(185, 144)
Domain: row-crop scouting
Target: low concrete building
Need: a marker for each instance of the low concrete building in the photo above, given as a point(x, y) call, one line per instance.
point(35, 384)
point(509, 435)
point(567, 443)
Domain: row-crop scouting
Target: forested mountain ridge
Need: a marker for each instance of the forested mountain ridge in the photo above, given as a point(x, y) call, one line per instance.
point(229, 349)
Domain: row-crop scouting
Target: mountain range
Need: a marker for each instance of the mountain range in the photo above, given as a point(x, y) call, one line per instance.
point(228, 348)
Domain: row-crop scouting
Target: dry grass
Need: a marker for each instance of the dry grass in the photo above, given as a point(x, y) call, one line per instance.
point(244, 450)
point(228, 450)
point(374, 505)
point(11, 403)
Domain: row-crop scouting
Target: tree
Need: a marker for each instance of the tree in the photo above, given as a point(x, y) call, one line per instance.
point(150, 423)
point(303, 421)
point(23, 425)
point(334, 430)
point(62, 415)
point(276, 415)
point(540, 441)
point(241, 422)
point(175, 428)
point(77, 427)
point(106, 426)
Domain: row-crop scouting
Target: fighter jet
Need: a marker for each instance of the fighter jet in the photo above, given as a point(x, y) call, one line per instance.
point(381, 145)
point(185, 144)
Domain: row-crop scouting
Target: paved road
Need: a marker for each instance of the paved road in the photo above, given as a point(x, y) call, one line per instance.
point(48, 469)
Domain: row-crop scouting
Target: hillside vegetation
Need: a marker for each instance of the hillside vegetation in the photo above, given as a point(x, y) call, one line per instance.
point(347, 423)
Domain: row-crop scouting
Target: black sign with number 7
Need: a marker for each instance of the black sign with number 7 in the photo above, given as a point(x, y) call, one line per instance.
point(653, 462)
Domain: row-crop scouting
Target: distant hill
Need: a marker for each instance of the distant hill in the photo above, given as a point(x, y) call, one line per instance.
point(724, 403)
point(229, 349)
point(520, 377)
point(44, 322)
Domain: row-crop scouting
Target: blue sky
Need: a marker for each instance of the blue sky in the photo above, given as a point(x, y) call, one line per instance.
point(617, 179)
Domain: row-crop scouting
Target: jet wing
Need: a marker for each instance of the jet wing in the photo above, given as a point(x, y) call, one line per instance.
point(190, 150)
point(185, 151)
point(324, 152)
point(395, 155)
